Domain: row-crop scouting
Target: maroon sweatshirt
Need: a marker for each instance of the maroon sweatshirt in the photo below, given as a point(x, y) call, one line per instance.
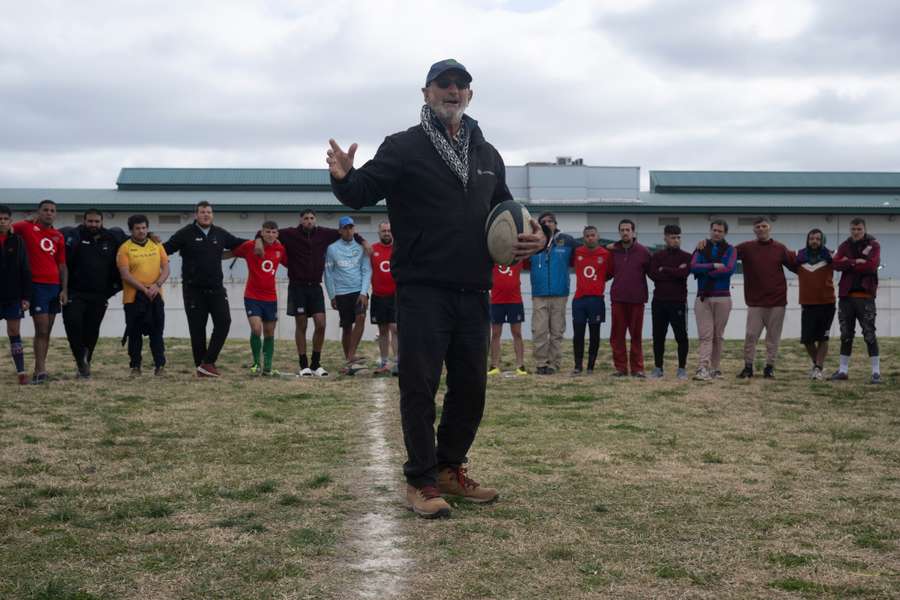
point(764, 262)
point(858, 277)
point(669, 270)
point(306, 251)
point(629, 270)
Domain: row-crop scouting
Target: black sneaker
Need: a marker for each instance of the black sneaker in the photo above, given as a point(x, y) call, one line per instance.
point(876, 379)
point(747, 373)
point(620, 374)
point(576, 371)
point(40, 379)
point(839, 376)
point(769, 372)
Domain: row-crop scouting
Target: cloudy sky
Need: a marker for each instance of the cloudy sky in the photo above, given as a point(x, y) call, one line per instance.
point(88, 87)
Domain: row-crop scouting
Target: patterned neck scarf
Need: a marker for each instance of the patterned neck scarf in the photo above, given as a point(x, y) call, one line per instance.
point(455, 152)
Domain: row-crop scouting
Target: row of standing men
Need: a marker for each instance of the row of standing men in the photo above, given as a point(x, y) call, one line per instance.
point(74, 271)
point(629, 265)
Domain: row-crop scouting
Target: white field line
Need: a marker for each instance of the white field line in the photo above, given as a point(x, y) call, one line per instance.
point(381, 558)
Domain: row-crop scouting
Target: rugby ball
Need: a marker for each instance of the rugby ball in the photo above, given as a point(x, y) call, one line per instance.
point(502, 228)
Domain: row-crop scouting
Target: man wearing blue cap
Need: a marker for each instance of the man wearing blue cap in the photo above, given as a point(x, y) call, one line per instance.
point(441, 179)
point(347, 277)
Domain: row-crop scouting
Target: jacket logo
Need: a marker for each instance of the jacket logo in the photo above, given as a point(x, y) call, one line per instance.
point(560, 242)
point(480, 172)
point(200, 239)
point(47, 245)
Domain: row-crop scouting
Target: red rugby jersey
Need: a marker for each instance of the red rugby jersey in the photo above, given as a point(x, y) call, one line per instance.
point(507, 288)
point(261, 282)
point(46, 248)
point(383, 283)
point(591, 265)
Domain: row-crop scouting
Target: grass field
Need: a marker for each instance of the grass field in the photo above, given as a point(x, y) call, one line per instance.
point(248, 488)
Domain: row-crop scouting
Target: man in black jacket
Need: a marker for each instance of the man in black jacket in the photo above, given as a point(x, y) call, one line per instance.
point(441, 179)
point(201, 245)
point(15, 289)
point(93, 279)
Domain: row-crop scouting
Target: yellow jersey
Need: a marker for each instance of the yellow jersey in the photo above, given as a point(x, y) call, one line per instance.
point(145, 264)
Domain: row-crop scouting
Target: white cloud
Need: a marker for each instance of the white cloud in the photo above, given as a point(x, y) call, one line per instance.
point(89, 87)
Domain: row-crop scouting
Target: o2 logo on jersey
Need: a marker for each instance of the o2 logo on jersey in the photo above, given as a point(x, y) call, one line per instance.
point(384, 266)
point(504, 270)
point(590, 273)
point(268, 266)
point(47, 245)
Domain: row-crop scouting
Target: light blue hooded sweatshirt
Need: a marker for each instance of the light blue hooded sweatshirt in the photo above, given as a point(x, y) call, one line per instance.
point(347, 269)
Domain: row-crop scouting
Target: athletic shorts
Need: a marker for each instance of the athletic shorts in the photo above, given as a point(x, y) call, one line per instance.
point(305, 300)
point(348, 308)
point(507, 313)
point(383, 310)
point(268, 311)
point(815, 322)
point(45, 298)
point(11, 311)
point(589, 309)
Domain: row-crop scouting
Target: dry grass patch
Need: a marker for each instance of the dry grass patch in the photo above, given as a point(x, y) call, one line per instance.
point(185, 488)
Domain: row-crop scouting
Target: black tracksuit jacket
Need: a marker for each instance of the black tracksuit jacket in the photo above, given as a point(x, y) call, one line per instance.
point(201, 255)
point(92, 262)
point(15, 272)
point(438, 224)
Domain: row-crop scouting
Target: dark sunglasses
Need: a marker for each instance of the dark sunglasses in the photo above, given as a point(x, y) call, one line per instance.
point(444, 83)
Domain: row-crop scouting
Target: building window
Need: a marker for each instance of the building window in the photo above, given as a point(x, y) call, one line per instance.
point(170, 219)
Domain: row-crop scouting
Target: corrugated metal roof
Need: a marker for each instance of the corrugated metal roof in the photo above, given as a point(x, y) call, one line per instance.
point(165, 178)
point(161, 200)
point(281, 201)
point(774, 181)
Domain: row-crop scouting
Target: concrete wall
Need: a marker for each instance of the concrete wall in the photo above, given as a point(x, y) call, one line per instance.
point(791, 229)
point(888, 303)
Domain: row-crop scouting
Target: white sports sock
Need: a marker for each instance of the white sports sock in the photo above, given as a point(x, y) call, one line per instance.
point(845, 364)
point(876, 365)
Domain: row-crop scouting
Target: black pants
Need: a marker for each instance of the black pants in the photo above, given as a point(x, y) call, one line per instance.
point(437, 327)
point(578, 343)
point(663, 315)
point(200, 304)
point(82, 317)
point(135, 321)
point(851, 310)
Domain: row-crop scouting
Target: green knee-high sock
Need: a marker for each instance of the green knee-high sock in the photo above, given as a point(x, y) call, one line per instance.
point(268, 352)
point(255, 345)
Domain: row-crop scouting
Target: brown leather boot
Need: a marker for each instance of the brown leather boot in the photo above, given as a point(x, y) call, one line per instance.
point(426, 502)
point(453, 481)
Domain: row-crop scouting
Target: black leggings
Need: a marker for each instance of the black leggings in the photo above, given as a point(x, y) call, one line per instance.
point(593, 344)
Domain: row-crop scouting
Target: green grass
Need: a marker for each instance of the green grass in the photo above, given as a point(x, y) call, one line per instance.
point(254, 488)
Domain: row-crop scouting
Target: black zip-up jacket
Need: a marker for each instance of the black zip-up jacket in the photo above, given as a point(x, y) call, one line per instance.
point(15, 271)
point(201, 255)
point(92, 262)
point(438, 224)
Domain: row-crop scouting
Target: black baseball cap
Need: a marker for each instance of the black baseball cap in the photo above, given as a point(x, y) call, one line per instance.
point(442, 66)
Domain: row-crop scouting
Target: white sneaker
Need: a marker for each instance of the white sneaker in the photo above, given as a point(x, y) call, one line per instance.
point(702, 374)
point(320, 372)
point(304, 372)
point(817, 374)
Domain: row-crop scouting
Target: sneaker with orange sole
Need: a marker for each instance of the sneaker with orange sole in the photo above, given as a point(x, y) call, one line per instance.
point(426, 502)
point(453, 481)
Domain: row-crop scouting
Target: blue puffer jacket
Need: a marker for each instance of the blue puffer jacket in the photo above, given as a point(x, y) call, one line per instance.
point(550, 268)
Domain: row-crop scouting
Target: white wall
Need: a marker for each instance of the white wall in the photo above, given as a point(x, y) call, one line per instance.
point(888, 323)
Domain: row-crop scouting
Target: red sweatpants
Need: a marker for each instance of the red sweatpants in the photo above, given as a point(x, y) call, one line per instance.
point(627, 317)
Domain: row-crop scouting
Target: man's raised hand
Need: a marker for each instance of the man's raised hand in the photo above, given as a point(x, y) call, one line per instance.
point(340, 162)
